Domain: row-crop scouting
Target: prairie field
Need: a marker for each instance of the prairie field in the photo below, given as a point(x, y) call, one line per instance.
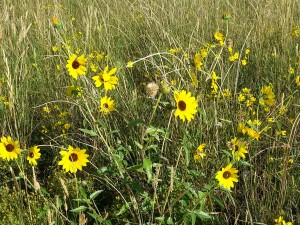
point(150, 112)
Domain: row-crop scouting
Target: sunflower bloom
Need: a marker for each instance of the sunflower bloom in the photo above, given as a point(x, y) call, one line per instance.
point(106, 78)
point(73, 92)
point(73, 159)
point(9, 149)
point(268, 96)
point(76, 65)
point(186, 105)
point(239, 148)
point(227, 176)
point(33, 155)
point(107, 105)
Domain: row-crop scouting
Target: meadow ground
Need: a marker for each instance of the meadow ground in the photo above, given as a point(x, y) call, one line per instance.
point(149, 112)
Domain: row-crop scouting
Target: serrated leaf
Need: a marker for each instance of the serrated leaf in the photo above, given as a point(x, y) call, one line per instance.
point(123, 209)
point(147, 165)
point(95, 194)
point(89, 132)
point(79, 209)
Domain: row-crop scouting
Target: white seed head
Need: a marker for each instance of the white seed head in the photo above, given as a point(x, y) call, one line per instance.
point(152, 89)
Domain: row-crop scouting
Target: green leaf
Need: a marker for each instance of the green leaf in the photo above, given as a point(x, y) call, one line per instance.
point(95, 194)
point(217, 199)
point(147, 165)
point(137, 168)
point(79, 209)
point(201, 214)
point(139, 145)
point(187, 155)
point(123, 209)
point(89, 132)
point(227, 153)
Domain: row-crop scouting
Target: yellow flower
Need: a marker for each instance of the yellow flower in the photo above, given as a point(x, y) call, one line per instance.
point(55, 20)
point(244, 62)
point(54, 48)
point(297, 80)
point(46, 109)
point(107, 105)
point(172, 51)
point(241, 98)
point(247, 51)
point(253, 133)
point(246, 90)
point(194, 79)
point(73, 92)
point(281, 221)
point(76, 66)
point(242, 128)
point(106, 78)
point(268, 97)
point(281, 132)
point(234, 57)
point(239, 148)
point(186, 105)
point(33, 155)
point(129, 64)
point(296, 32)
point(200, 153)
point(227, 176)
point(197, 61)
point(227, 93)
point(219, 36)
point(9, 149)
point(73, 159)
point(291, 70)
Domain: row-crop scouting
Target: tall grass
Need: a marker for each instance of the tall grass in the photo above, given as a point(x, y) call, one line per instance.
point(141, 168)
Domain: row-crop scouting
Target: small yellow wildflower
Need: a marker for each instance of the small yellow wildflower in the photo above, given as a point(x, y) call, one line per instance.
point(129, 64)
point(219, 36)
point(200, 153)
point(241, 98)
point(54, 48)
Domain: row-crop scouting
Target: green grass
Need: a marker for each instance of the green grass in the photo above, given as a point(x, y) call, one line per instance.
point(142, 168)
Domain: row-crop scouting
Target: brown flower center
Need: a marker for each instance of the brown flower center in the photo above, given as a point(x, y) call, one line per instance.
point(9, 147)
point(181, 105)
point(105, 105)
point(74, 92)
point(73, 157)
point(75, 64)
point(31, 155)
point(226, 174)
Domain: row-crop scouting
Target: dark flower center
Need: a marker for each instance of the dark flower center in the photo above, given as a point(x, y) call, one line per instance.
point(226, 174)
point(181, 105)
point(73, 157)
point(105, 105)
point(74, 92)
point(75, 64)
point(31, 155)
point(9, 147)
